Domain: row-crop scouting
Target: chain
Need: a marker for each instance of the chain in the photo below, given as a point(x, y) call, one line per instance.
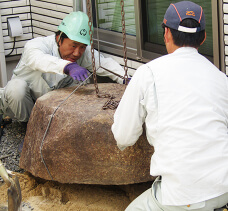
point(124, 41)
point(91, 43)
point(111, 104)
point(49, 123)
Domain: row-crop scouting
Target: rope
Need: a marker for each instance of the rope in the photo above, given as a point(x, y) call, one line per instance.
point(49, 123)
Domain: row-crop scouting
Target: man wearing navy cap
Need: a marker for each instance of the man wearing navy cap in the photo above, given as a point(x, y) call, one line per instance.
point(183, 100)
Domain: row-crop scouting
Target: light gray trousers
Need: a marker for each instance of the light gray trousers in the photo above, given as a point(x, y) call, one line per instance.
point(16, 99)
point(151, 198)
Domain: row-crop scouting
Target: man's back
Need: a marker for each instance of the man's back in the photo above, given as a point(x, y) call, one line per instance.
point(183, 100)
point(191, 128)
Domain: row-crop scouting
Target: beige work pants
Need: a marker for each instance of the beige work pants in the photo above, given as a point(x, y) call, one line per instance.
point(150, 201)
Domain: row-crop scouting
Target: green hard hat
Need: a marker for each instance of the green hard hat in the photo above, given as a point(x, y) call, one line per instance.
point(75, 26)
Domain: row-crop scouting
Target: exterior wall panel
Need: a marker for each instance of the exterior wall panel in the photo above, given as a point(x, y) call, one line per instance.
point(41, 18)
point(11, 9)
point(47, 15)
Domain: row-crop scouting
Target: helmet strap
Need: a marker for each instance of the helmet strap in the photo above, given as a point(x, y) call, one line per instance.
point(59, 38)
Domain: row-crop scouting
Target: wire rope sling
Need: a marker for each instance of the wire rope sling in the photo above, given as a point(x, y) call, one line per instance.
point(111, 103)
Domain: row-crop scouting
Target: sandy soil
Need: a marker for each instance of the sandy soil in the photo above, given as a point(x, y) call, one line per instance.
point(42, 195)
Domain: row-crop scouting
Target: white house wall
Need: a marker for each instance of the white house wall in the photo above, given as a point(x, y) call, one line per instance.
point(47, 15)
point(38, 18)
point(13, 8)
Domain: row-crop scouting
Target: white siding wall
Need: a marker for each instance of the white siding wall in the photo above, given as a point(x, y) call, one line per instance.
point(14, 8)
point(47, 15)
point(38, 18)
point(225, 9)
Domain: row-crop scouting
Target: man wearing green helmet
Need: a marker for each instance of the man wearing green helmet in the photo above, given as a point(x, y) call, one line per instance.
point(53, 62)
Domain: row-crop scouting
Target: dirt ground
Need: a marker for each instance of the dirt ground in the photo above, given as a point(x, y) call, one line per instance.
point(42, 195)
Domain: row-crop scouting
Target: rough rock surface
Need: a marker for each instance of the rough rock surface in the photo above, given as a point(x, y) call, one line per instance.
point(79, 146)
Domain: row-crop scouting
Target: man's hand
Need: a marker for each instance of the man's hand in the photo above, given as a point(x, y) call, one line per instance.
point(76, 72)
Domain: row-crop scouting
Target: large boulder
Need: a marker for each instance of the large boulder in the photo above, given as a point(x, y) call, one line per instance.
point(79, 146)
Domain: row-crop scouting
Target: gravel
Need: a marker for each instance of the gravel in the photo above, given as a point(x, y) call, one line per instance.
point(13, 135)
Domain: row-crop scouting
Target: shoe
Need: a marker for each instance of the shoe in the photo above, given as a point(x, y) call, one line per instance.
point(7, 120)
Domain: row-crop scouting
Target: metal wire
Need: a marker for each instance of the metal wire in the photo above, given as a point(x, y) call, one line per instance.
point(49, 123)
point(111, 104)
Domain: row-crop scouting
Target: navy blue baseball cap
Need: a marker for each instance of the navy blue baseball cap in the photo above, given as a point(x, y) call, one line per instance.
point(182, 10)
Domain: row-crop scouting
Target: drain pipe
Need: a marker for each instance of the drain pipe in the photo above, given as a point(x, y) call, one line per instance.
point(2, 58)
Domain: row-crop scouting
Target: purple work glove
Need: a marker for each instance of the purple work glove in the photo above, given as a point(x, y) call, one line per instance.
point(75, 71)
point(128, 80)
